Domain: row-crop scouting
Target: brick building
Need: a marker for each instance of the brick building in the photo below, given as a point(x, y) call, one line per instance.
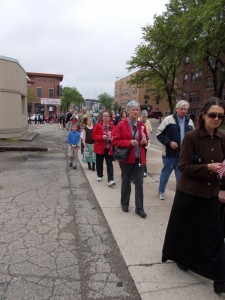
point(125, 92)
point(195, 85)
point(44, 88)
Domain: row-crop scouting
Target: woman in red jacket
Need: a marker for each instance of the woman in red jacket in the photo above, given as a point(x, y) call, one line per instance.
point(131, 133)
point(102, 136)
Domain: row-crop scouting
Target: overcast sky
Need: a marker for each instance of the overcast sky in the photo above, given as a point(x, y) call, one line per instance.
point(87, 41)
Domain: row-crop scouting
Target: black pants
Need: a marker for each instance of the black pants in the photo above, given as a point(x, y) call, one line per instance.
point(109, 165)
point(82, 147)
point(222, 215)
point(136, 173)
point(145, 167)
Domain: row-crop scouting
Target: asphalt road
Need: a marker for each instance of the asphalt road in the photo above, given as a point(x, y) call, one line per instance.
point(55, 242)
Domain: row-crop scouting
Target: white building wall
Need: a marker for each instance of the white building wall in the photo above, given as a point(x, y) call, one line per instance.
point(13, 93)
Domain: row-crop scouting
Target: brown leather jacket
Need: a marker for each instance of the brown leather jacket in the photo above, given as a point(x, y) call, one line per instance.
point(199, 149)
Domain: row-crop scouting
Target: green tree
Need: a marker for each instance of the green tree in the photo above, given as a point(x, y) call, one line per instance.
point(70, 96)
point(30, 96)
point(106, 100)
point(202, 23)
point(115, 106)
point(157, 59)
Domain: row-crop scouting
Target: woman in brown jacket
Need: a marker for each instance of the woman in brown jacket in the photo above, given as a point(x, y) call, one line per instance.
point(194, 236)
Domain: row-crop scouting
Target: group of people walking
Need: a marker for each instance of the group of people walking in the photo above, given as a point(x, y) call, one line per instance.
point(194, 237)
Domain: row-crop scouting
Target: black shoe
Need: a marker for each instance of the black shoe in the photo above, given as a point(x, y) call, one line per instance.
point(141, 213)
point(70, 164)
point(125, 208)
point(219, 287)
point(182, 267)
point(74, 167)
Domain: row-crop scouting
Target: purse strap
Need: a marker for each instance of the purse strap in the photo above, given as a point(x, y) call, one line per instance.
point(135, 132)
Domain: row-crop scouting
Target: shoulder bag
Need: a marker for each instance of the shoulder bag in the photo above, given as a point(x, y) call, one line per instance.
point(122, 153)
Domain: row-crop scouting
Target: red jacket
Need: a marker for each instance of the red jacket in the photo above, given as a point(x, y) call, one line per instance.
point(122, 136)
point(99, 142)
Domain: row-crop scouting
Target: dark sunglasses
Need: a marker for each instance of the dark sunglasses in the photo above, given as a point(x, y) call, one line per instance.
point(214, 115)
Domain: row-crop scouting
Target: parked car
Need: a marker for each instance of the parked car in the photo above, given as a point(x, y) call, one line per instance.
point(155, 114)
point(32, 117)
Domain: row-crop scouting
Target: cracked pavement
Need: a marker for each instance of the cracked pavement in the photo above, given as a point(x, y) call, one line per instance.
point(55, 242)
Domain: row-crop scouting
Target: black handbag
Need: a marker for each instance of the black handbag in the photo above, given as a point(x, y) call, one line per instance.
point(122, 153)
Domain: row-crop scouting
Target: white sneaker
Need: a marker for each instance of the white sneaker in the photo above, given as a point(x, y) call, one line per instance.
point(99, 178)
point(161, 196)
point(145, 174)
point(112, 182)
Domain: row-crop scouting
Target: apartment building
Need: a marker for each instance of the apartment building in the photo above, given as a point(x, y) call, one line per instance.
point(195, 85)
point(44, 92)
point(125, 92)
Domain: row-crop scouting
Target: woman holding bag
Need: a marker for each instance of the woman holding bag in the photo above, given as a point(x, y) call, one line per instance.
point(132, 134)
point(194, 237)
point(102, 136)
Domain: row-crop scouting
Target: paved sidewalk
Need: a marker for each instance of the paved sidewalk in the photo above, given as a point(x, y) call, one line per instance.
point(141, 240)
point(55, 242)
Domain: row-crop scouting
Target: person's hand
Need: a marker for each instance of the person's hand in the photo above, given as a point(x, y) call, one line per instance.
point(133, 143)
point(143, 142)
point(214, 167)
point(222, 196)
point(173, 145)
point(104, 136)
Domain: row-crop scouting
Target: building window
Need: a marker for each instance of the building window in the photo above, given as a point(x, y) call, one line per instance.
point(194, 97)
point(59, 90)
point(29, 107)
point(194, 113)
point(196, 76)
point(39, 92)
point(39, 108)
point(185, 78)
point(51, 93)
point(23, 101)
point(209, 83)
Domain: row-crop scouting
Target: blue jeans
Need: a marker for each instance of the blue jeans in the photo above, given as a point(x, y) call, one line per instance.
point(170, 163)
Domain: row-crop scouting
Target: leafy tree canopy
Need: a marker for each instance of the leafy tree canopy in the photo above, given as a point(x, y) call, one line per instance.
point(30, 95)
point(202, 23)
point(70, 97)
point(106, 100)
point(193, 28)
point(157, 59)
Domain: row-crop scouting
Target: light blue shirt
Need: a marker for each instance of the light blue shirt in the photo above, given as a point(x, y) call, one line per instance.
point(181, 124)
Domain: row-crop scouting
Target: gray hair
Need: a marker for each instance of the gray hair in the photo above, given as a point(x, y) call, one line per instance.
point(182, 103)
point(144, 113)
point(132, 104)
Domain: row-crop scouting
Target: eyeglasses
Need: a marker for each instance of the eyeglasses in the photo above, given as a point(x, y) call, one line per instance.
point(214, 115)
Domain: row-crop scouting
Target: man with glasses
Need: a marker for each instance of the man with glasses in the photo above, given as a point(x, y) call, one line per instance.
point(171, 133)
